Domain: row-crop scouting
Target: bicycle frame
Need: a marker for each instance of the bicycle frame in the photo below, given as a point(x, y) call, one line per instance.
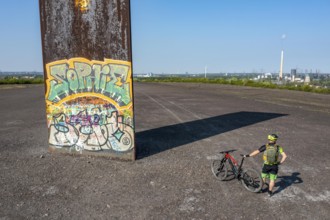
point(237, 169)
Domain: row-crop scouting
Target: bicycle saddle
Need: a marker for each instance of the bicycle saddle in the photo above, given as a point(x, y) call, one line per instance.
point(227, 151)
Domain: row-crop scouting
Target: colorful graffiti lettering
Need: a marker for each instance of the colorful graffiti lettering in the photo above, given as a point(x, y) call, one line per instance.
point(89, 105)
point(77, 76)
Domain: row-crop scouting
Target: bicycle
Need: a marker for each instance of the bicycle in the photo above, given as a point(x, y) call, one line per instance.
point(250, 178)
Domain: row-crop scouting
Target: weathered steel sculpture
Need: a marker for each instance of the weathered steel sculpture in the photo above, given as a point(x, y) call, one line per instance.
point(88, 76)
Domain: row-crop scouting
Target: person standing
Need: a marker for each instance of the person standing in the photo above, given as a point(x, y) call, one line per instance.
point(271, 152)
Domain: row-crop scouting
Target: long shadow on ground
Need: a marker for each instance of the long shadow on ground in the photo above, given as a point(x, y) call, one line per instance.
point(164, 138)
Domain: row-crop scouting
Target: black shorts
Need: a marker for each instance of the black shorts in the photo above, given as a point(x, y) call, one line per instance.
point(270, 169)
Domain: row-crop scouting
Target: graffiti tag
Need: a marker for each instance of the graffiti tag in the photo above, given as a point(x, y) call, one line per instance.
point(70, 77)
point(89, 105)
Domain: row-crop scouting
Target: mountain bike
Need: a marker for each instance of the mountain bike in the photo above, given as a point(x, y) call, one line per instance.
point(250, 178)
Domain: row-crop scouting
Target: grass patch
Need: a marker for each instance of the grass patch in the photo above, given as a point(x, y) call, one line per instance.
point(12, 80)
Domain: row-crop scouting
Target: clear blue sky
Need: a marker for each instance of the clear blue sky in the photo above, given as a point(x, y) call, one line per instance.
point(177, 36)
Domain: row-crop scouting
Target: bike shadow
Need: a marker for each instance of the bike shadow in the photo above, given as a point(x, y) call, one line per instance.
point(286, 181)
point(230, 175)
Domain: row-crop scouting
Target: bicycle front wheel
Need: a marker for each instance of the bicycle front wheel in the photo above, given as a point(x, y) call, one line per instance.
point(251, 180)
point(219, 169)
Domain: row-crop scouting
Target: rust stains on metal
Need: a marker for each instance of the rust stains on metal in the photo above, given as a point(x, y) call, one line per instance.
point(101, 31)
point(82, 5)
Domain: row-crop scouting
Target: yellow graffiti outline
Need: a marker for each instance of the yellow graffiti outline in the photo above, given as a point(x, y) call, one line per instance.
point(70, 62)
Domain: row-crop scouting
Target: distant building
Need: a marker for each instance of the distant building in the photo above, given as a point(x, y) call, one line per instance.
point(298, 79)
point(264, 76)
point(268, 75)
point(144, 75)
point(293, 74)
point(307, 79)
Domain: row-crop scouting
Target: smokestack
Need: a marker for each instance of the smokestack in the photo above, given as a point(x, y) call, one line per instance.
point(281, 67)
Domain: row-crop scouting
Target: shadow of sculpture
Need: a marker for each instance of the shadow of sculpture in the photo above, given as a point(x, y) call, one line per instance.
point(157, 140)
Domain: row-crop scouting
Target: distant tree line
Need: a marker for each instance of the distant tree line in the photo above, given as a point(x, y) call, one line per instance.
point(317, 86)
point(22, 80)
point(266, 83)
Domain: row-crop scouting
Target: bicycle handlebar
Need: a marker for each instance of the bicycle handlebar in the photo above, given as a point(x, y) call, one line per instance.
point(227, 151)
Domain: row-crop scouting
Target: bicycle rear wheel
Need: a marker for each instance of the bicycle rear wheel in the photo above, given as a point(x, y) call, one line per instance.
point(251, 180)
point(219, 169)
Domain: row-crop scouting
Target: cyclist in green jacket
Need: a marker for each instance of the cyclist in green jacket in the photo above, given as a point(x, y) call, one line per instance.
point(271, 162)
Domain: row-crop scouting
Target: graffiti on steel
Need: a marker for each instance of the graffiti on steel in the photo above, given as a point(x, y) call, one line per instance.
point(89, 105)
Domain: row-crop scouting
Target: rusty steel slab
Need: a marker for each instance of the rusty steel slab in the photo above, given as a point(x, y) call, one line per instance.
point(87, 59)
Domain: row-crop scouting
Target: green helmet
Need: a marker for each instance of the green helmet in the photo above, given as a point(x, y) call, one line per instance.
point(272, 137)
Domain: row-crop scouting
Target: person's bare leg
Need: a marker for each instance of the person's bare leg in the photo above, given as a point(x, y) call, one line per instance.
point(271, 185)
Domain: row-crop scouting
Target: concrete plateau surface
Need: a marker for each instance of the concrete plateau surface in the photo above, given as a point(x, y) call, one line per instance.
point(179, 129)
